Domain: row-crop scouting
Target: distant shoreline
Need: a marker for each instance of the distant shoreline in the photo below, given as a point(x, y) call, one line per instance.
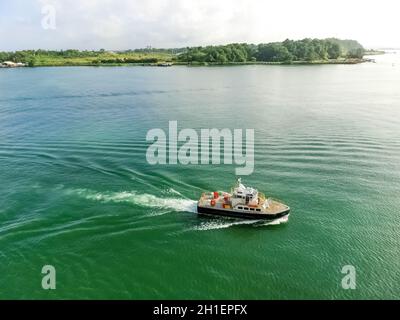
point(374, 52)
point(203, 64)
point(289, 52)
point(316, 62)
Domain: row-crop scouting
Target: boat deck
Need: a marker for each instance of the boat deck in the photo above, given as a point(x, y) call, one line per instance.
point(274, 207)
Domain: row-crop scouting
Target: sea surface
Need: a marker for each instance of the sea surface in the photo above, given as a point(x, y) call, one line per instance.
point(77, 193)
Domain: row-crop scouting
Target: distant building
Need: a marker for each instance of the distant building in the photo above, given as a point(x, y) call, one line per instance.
point(11, 64)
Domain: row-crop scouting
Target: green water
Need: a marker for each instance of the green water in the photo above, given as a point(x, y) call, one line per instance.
point(76, 191)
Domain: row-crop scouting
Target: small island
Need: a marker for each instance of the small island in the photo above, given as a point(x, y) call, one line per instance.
point(306, 51)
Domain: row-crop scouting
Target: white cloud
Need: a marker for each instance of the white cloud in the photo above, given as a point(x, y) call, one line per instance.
point(122, 24)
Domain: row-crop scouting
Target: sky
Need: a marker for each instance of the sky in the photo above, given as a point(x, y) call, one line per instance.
point(130, 24)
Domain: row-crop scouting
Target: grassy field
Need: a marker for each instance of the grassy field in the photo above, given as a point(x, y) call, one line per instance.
point(102, 59)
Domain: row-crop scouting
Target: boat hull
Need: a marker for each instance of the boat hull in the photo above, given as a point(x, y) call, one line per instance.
point(240, 215)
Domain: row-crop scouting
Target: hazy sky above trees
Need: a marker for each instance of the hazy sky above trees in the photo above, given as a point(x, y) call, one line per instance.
point(124, 24)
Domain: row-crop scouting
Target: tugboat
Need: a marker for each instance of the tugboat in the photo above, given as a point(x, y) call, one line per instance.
point(242, 202)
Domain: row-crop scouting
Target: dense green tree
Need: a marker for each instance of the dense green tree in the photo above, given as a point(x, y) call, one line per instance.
point(286, 51)
point(273, 52)
point(334, 50)
point(356, 53)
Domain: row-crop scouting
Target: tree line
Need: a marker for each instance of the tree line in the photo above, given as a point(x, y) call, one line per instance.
point(286, 51)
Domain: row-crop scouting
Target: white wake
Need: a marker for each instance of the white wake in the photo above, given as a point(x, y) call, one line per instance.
point(140, 199)
point(221, 224)
point(166, 205)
